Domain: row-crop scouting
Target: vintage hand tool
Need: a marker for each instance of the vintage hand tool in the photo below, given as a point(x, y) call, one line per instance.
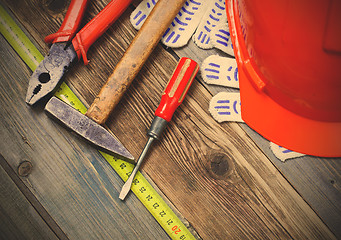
point(125, 71)
point(171, 99)
point(28, 53)
point(63, 53)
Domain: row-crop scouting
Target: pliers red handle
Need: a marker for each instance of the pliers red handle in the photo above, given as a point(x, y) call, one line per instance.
point(71, 22)
point(50, 71)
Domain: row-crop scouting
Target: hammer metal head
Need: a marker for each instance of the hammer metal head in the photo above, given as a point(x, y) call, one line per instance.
point(87, 128)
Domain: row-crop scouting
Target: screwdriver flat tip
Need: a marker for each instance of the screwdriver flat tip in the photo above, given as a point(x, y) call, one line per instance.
point(126, 187)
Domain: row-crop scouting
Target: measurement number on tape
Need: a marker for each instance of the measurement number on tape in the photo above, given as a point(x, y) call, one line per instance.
point(141, 187)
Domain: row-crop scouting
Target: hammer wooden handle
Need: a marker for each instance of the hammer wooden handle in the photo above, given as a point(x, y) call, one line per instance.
point(133, 59)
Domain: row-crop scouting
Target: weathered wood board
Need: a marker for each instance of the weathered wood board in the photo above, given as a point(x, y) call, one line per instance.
point(316, 179)
point(18, 218)
point(71, 180)
point(215, 174)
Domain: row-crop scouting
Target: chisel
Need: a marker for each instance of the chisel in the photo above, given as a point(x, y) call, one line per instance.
point(171, 99)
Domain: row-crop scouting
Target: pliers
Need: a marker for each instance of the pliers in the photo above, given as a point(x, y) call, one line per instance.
point(69, 46)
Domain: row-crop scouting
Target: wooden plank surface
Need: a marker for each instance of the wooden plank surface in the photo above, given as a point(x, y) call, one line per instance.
point(72, 181)
point(18, 218)
point(215, 174)
point(316, 179)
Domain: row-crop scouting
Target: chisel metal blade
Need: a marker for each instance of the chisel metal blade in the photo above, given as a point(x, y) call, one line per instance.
point(87, 128)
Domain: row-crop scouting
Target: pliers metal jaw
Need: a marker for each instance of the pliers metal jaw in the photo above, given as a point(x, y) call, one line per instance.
point(69, 46)
point(50, 71)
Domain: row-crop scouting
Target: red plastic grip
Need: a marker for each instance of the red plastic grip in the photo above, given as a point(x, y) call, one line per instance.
point(97, 26)
point(70, 24)
point(177, 88)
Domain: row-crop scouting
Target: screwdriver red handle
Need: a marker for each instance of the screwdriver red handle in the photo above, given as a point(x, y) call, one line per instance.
point(70, 24)
point(172, 97)
point(97, 26)
point(177, 88)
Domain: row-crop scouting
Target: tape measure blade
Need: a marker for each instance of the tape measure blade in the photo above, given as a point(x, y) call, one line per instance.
point(18, 40)
point(152, 200)
point(144, 191)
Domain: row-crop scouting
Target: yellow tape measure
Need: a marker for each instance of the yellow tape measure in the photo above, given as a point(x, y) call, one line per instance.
point(168, 220)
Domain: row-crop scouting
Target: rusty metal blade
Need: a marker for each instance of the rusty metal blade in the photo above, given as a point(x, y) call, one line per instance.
point(87, 128)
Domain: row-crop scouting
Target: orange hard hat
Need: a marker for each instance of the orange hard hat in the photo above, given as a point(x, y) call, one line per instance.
point(289, 62)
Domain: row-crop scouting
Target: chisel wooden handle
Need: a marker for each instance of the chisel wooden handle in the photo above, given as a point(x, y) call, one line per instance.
point(133, 59)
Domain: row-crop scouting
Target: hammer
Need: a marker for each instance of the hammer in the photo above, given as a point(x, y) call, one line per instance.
point(89, 125)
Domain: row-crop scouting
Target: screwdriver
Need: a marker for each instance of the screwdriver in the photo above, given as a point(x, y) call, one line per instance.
point(171, 99)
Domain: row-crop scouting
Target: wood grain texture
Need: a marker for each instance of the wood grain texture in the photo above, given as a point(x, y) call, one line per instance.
point(316, 179)
point(215, 174)
point(133, 59)
point(71, 180)
point(18, 219)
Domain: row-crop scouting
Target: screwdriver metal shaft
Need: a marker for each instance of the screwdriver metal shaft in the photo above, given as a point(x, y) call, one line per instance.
point(154, 132)
point(126, 187)
point(171, 99)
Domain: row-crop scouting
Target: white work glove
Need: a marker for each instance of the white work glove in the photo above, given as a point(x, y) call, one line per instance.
point(204, 21)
